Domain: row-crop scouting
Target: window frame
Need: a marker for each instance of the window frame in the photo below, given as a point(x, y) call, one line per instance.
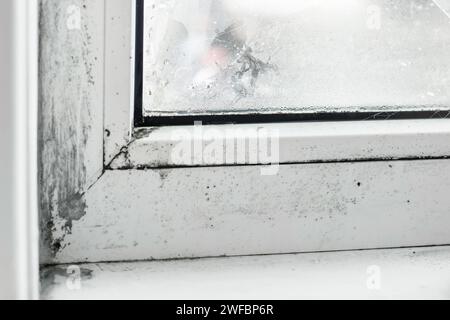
point(122, 199)
point(19, 234)
point(129, 135)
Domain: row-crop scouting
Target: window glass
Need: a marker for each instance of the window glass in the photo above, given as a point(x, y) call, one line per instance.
point(213, 56)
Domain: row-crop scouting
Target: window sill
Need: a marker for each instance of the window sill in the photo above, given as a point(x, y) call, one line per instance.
point(331, 275)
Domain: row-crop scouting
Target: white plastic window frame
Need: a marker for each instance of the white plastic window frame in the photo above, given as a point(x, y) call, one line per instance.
point(302, 142)
point(340, 185)
point(19, 252)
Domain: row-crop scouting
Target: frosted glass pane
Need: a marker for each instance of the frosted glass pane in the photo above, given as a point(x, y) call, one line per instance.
point(203, 56)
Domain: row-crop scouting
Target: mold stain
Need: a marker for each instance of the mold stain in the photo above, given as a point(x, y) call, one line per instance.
point(66, 77)
point(163, 174)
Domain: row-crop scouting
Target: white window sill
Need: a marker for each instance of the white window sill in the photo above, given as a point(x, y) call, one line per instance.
point(413, 273)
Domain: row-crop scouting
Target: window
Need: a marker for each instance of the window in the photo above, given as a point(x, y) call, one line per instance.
point(340, 184)
point(285, 60)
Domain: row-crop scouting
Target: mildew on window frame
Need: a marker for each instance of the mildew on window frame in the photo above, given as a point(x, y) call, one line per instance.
point(135, 141)
point(109, 191)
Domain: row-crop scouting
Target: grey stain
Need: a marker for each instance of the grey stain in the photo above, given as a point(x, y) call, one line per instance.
point(73, 209)
point(66, 77)
point(140, 133)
